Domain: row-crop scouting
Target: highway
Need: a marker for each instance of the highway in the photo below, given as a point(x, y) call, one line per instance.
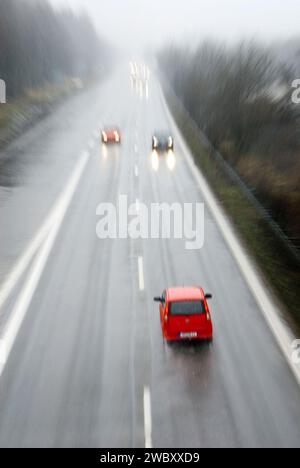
point(84, 363)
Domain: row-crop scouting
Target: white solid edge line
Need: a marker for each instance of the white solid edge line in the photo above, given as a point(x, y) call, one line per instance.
point(147, 418)
point(22, 263)
point(141, 273)
point(2, 355)
point(270, 311)
point(12, 328)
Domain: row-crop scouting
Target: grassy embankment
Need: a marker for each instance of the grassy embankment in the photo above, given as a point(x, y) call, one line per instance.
point(18, 114)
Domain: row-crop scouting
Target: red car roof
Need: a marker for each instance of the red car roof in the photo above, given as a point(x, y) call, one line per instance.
point(185, 293)
point(111, 129)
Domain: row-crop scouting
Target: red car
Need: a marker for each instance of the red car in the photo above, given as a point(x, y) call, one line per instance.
point(111, 135)
point(184, 314)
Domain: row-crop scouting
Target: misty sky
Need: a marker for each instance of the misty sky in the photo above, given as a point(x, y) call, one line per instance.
point(142, 23)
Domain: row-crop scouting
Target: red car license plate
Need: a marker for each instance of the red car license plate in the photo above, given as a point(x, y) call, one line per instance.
point(188, 335)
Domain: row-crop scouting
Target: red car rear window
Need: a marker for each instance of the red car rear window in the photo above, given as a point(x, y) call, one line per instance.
point(186, 308)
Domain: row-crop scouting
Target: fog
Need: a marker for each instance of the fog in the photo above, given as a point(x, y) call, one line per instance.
point(136, 24)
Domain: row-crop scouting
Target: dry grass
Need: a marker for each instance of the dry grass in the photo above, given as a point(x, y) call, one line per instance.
point(279, 189)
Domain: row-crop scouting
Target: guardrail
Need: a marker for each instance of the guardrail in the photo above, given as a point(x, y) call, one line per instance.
point(234, 177)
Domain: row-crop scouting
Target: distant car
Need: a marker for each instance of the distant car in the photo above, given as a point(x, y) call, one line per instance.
point(111, 135)
point(162, 141)
point(184, 314)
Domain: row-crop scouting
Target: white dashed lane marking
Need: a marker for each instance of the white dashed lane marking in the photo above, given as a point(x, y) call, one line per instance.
point(147, 418)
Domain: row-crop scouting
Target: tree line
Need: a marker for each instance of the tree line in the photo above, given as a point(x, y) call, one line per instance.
point(39, 44)
point(240, 96)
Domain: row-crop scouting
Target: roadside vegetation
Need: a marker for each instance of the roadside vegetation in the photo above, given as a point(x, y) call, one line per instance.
point(241, 100)
point(45, 54)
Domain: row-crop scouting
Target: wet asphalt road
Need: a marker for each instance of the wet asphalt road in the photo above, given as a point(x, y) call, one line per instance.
point(90, 342)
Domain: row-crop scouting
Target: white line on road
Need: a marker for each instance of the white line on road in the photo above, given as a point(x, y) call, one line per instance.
point(136, 149)
point(141, 273)
point(2, 354)
point(147, 418)
point(17, 316)
point(136, 171)
point(23, 262)
point(25, 259)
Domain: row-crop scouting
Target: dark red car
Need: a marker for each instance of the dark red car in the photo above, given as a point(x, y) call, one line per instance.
point(111, 135)
point(184, 314)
